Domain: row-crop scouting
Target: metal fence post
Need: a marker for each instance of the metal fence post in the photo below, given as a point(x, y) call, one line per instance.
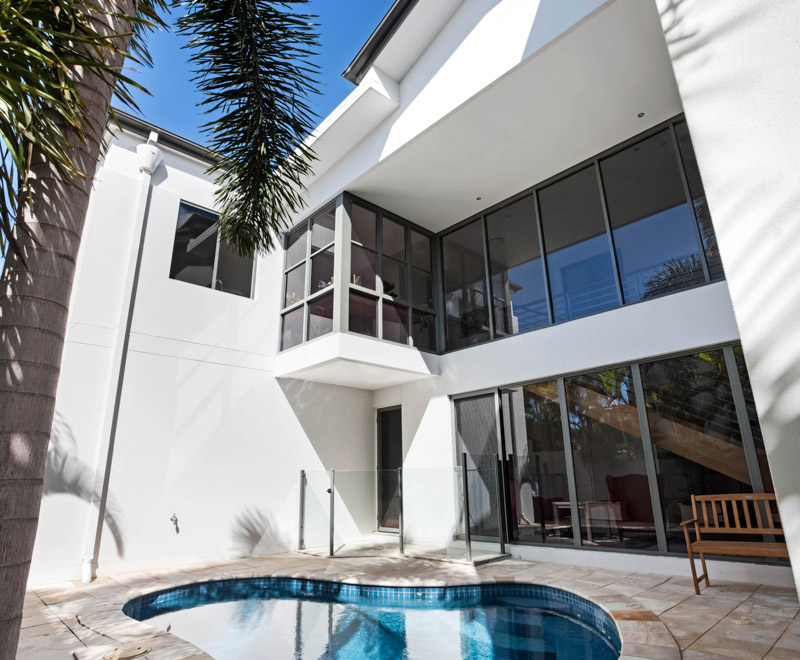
point(301, 543)
point(465, 487)
point(401, 540)
point(330, 533)
point(499, 506)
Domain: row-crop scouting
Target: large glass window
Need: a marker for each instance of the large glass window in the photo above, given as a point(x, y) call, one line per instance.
point(466, 304)
point(752, 416)
point(699, 201)
point(200, 257)
point(308, 279)
point(655, 232)
point(631, 225)
point(613, 490)
point(540, 510)
point(582, 279)
point(695, 434)
point(619, 471)
point(515, 259)
point(392, 273)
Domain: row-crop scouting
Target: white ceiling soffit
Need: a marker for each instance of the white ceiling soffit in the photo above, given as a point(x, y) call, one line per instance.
point(365, 107)
point(414, 35)
point(574, 98)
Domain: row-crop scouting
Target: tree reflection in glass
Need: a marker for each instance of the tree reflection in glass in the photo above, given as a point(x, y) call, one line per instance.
point(695, 434)
point(614, 500)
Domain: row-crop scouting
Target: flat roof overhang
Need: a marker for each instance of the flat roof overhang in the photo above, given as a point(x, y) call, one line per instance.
point(577, 96)
point(352, 360)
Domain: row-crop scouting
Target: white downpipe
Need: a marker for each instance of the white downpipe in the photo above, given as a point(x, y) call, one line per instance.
point(149, 157)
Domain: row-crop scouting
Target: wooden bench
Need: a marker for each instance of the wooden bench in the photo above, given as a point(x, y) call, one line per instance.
point(751, 514)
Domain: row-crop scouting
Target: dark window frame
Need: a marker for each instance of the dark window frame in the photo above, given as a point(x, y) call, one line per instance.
point(214, 228)
point(308, 297)
point(593, 162)
point(381, 297)
point(735, 382)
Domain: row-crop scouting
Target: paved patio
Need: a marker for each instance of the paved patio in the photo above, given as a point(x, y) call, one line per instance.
point(659, 616)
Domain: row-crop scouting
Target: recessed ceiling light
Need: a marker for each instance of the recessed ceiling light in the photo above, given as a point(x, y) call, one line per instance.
point(640, 115)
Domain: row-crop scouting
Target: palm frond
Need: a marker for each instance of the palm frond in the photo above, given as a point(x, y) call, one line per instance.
point(251, 62)
point(41, 43)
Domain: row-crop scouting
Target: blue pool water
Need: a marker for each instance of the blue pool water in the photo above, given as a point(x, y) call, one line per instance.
point(279, 618)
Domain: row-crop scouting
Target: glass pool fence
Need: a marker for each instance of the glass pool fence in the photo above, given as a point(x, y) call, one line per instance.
point(447, 513)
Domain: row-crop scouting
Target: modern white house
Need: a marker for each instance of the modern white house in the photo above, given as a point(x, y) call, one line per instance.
point(549, 242)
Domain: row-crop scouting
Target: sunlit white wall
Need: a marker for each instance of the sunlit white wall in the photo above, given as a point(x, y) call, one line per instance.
point(736, 64)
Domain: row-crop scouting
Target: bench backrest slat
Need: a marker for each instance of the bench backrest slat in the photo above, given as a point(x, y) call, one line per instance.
point(719, 522)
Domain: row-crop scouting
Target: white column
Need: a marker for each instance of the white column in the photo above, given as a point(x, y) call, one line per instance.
point(737, 65)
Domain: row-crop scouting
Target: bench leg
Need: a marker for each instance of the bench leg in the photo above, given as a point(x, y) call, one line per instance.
point(705, 570)
point(694, 571)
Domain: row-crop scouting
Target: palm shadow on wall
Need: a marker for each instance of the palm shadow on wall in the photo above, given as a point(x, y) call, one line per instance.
point(250, 527)
point(65, 473)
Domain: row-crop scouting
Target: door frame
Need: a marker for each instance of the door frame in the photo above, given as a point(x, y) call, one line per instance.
point(378, 433)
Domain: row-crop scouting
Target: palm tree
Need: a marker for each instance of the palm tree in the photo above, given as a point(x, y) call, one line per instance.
point(60, 64)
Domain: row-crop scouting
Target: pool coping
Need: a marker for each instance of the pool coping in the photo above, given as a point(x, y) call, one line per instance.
point(93, 613)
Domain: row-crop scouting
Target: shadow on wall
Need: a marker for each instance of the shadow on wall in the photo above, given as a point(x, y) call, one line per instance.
point(325, 412)
point(66, 474)
point(252, 527)
point(756, 247)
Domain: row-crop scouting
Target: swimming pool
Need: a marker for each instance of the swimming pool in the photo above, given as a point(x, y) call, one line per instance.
point(309, 619)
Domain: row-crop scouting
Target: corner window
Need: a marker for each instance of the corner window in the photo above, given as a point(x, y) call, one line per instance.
point(391, 279)
point(308, 279)
point(200, 257)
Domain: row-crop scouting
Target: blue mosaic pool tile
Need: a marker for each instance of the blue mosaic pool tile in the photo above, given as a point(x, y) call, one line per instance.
point(527, 595)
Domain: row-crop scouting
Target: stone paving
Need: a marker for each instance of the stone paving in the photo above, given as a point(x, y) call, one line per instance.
point(659, 616)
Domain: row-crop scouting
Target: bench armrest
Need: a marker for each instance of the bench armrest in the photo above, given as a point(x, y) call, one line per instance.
point(686, 523)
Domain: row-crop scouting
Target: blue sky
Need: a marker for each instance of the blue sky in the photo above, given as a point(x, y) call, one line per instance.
point(344, 27)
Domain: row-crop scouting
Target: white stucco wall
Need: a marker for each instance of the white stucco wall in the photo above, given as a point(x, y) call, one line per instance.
point(205, 429)
point(208, 433)
point(736, 65)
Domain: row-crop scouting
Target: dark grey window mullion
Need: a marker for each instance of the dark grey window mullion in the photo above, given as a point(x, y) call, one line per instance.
point(307, 285)
point(543, 256)
point(437, 263)
point(409, 292)
point(487, 274)
point(379, 272)
point(609, 232)
point(690, 202)
point(570, 466)
point(742, 417)
point(649, 459)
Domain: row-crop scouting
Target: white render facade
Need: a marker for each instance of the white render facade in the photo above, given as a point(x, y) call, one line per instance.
point(466, 108)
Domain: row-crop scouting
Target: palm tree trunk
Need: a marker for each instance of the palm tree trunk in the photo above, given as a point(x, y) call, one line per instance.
point(34, 302)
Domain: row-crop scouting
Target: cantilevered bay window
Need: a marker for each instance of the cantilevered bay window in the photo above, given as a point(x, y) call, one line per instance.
point(391, 288)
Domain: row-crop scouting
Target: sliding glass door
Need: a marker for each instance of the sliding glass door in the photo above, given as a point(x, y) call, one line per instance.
point(610, 458)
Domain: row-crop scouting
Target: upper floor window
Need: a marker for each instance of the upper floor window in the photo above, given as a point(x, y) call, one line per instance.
point(391, 279)
point(626, 226)
point(308, 280)
point(200, 257)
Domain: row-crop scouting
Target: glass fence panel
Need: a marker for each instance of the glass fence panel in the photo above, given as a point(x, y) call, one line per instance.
point(433, 512)
point(484, 511)
point(355, 515)
point(315, 511)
